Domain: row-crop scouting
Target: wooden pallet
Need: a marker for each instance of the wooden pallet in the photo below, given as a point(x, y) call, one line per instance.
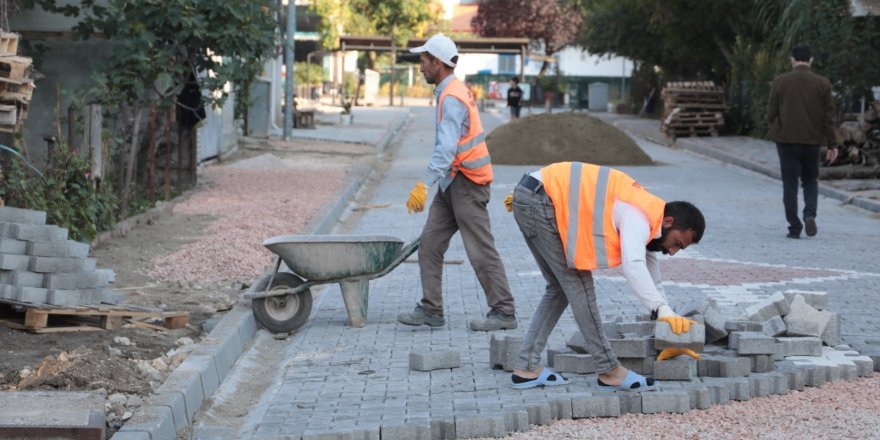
point(677, 132)
point(44, 318)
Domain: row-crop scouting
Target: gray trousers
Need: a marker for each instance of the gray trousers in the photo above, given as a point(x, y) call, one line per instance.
point(462, 207)
point(535, 215)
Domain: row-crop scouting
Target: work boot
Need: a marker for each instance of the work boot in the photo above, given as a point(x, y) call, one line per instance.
point(810, 226)
point(420, 316)
point(495, 320)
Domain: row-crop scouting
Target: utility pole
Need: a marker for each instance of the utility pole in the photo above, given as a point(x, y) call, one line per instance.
point(288, 65)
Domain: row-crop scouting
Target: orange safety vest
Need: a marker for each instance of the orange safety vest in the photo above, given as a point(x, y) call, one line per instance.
point(583, 198)
point(471, 155)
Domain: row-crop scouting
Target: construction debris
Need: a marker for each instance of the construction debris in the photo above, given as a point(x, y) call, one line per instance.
point(16, 84)
point(858, 146)
point(692, 108)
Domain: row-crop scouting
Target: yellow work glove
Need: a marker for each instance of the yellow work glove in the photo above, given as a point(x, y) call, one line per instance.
point(679, 324)
point(508, 202)
point(417, 198)
point(670, 353)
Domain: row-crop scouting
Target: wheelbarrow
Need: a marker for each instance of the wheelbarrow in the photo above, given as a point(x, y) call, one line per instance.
point(282, 300)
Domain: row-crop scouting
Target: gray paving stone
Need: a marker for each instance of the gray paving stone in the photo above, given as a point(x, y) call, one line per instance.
point(573, 363)
point(443, 428)
point(23, 278)
point(325, 435)
point(61, 264)
point(723, 366)
point(560, 408)
point(741, 325)
point(503, 352)
point(715, 318)
point(408, 431)
point(516, 421)
point(681, 368)
point(779, 383)
point(831, 335)
point(175, 402)
point(718, 392)
point(34, 295)
point(482, 426)
point(633, 348)
point(694, 307)
point(434, 360)
point(665, 402)
point(699, 396)
point(37, 232)
point(746, 343)
point(775, 305)
point(18, 215)
point(643, 329)
point(80, 280)
point(815, 375)
point(801, 311)
point(643, 366)
point(603, 405)
point(157, 421)
point(206, 368)
point(694, 339)
point(763, 363)
point(759, 385)
point(539, 414)
point(774, 326)
point(14, 262)
point(801, 327)
point(189, 383)
point(796, 378)
point(800, 346)
point(815, 299)
point(577, 343)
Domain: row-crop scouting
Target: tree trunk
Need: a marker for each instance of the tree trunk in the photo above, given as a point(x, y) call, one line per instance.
point(180, 152)
point(151, 152)
point(120, 167)
point(131, 170)
point(193, 155)
point(169, 121)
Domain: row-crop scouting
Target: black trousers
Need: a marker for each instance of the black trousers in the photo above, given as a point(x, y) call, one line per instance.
point(799, 162)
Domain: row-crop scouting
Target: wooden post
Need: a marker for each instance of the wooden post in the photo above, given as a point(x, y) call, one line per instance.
point(71, 128)
point(180, 151)
point(94, 136)
point(193, 155)
point(131, 169)
point(169, 121)
point(151, 152)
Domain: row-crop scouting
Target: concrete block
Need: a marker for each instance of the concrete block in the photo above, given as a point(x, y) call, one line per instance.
point(699, 396)
point(491, 426)
point(715, 318)
point(175, 402)
point(665, 402)
point(849, 372)
point(775, 305)
point(643, 366)
point(14, 262)
point(34, 295)
point(37, 232)
point(694, 339)
point(311, 434)
point(560, 408)
point(759, 385)
point(539, 414)
point(831, 335)
point(834, 373)
point(206, 368)
point(12, 246)
point(718, 392)
point(815, 375)
point(739, 388)
point(80, 280)
point(434, 360)
point(443, 428)
point(503, 352)
point(24, 278)
point(61, 264)
point(751, 343)
point(800, 327)
point(630, 403)
point(643, 329)
point(131, 435)
point(723, 366)
point(551, 356)
point(763, 363)
point(68, 248)
point(190, 385)
point(774, 326)
point(800, 346)
point(516, 421)
point(577, 343)
point(778, 383)
point(574, 363)
point(155, 420)
point(19, 215)
point(815, 299)
point(603, 405)
point(408, 431)
point(696, 307)
point(797, 378)
point(801, 311)
point(632, 348)
point(741, 325)
point(681, 368)
point(864, 366)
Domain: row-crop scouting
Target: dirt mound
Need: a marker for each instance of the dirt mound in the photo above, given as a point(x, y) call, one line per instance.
point(544, 139)
point(87, 368)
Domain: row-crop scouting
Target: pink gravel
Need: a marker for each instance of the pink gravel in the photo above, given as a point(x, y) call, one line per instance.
point(845, 410)
point(251, 205)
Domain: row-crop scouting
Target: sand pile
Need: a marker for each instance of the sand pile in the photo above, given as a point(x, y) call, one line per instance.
point(544, 139)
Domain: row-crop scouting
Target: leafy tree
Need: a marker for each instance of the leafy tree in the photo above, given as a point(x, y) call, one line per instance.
point(305, 74)
point(551, 25)
point(338, 18)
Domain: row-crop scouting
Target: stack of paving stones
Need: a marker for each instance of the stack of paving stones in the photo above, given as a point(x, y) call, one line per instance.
point(39, 265)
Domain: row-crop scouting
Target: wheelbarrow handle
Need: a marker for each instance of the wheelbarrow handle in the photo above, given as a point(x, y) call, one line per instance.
point(405, 252)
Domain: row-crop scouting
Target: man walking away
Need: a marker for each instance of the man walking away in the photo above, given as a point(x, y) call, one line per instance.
point(514, 98)
point(461, 166)
point(801, 117)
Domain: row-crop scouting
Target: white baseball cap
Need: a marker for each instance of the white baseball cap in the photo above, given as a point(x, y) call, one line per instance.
point(441, 47)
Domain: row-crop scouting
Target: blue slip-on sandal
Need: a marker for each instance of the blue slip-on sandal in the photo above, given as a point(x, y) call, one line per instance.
point(632, 382)
point(547, 378)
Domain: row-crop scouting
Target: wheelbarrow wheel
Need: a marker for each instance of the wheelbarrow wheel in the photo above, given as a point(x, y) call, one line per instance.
point(282, 313)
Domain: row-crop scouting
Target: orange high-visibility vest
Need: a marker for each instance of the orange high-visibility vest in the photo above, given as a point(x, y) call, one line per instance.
point(583, 198)
point(471, 155)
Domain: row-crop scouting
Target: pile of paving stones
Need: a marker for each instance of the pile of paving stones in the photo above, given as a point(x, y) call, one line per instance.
point(783, 343)
point(39, 265)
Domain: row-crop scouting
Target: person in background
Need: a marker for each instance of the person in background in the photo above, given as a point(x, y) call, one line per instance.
point(514, 98)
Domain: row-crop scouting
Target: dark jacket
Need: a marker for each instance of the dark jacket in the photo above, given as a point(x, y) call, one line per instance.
point(801, 110)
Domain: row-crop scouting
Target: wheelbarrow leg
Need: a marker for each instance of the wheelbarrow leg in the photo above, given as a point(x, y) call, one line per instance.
point(356, 294)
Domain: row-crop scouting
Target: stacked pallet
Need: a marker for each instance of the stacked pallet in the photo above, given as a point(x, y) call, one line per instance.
point(692, 108)
point(16, 84)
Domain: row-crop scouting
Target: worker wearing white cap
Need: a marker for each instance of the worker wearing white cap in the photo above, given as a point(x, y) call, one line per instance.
point(462, 170)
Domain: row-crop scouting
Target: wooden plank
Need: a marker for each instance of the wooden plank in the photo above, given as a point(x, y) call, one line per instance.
point(174, 322)
point(147, 325)
point(34, 318)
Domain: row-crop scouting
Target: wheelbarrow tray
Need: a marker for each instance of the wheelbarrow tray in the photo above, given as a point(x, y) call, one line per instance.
point(327, 258)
